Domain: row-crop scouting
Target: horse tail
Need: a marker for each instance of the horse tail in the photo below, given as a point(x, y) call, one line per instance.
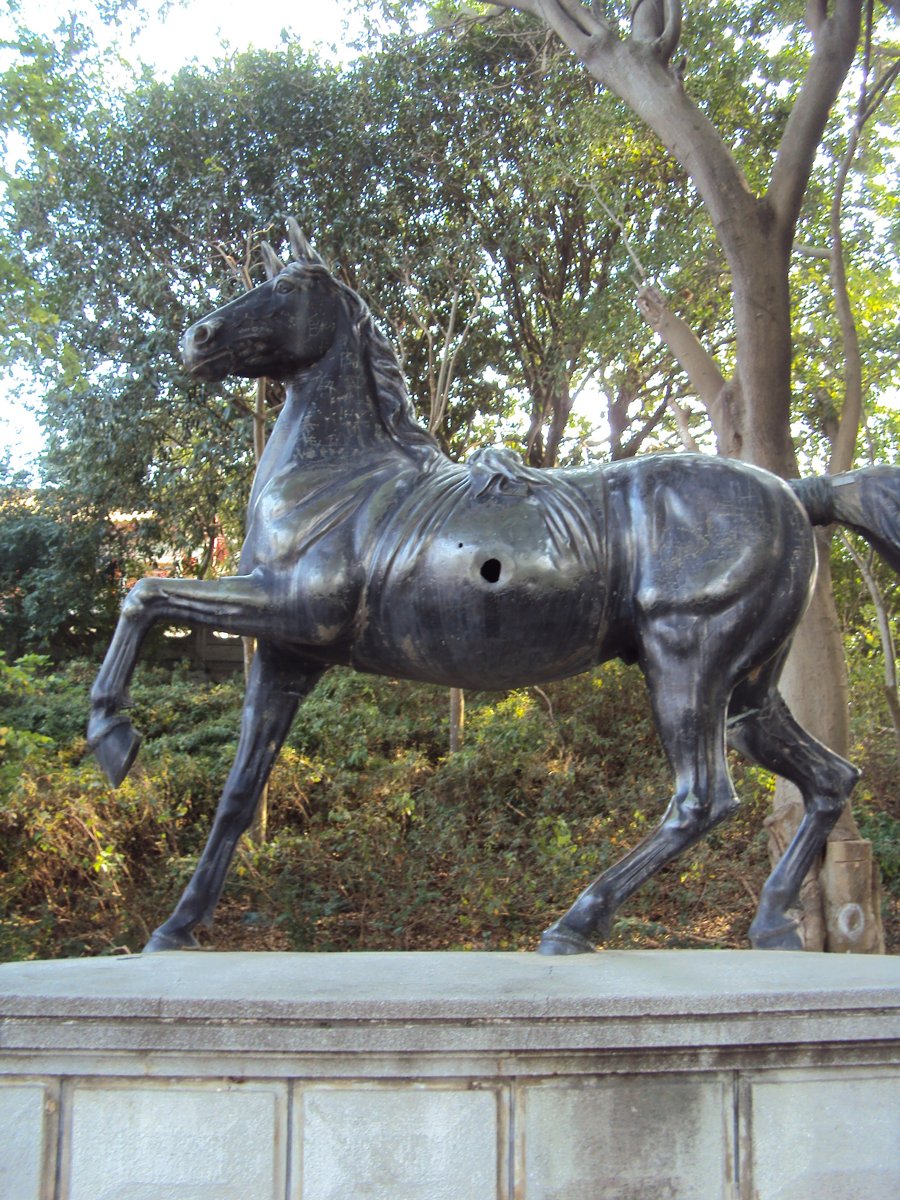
point(866, 501)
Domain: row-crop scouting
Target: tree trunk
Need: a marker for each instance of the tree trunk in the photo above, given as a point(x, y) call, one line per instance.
point(457, 718)
point(840, 905)
point(840, 908)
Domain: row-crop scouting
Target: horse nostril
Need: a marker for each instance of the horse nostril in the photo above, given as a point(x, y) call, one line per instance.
point(197, 342)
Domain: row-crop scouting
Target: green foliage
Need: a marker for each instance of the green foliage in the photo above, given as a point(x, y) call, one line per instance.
point(876, 802)
point(18, 745)
point(883, 831)
point(488, 198)
point(427, 171)
point(60, 572)
point(477, 169)
point(377, 837)
point(80, 865)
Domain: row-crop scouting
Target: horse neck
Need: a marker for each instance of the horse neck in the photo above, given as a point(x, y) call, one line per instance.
point(330, 414)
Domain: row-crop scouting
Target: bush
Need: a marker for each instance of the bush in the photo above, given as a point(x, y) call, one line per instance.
point(60, 571)
point(378, 838)
point(876, 800)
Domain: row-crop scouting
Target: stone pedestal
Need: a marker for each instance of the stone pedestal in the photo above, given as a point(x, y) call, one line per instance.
point(641, 1075)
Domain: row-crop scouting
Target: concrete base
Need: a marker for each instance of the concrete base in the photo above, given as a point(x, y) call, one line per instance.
point(640, 1075)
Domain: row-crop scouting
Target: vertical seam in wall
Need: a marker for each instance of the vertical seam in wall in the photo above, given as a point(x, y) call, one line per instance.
point(289, 1141)
point(744, 1109)
point(63, 1103)
point(512, 1090)
point(736, 1134)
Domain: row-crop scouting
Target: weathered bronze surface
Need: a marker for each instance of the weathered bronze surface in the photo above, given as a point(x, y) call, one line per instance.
point(367, 546)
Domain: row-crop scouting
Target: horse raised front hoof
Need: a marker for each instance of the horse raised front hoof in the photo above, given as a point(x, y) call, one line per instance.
point(115, 746)
point(783, 936)
point(559, 939)
point(161, 940)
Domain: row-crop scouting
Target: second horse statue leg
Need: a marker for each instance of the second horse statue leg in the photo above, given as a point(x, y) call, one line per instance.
point(689, 707)
point(763, 729)
point(691, 727)
point(278, 680)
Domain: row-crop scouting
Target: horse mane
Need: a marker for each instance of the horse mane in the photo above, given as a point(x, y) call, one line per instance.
point(395, 405)
point(490, 469)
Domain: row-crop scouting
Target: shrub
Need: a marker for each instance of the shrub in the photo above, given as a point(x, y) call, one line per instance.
point(377, 837)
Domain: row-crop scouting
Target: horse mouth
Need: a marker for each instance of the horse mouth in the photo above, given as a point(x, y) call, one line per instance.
point(240, 356)
point(209, 366)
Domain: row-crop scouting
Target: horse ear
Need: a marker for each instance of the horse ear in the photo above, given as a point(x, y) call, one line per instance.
point(272, 263)
point(301, 248)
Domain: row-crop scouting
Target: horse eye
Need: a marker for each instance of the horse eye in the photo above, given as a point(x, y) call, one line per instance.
point(284, 285)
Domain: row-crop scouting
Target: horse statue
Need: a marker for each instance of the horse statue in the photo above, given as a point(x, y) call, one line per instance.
point(368, 547)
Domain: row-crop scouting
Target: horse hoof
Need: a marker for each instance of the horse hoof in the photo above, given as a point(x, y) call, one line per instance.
point(559, 939)
point(116, 749)
point(783, 936)
point(160, 940)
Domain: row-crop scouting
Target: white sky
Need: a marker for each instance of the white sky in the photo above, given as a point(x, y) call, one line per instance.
point(200, 30)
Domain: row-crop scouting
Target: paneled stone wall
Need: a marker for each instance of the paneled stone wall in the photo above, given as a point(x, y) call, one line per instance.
point(680, 1075)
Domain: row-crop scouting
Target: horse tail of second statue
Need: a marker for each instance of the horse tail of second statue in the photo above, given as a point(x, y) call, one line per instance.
point(866, 501)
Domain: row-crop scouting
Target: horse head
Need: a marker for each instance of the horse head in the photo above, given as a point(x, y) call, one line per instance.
point(277, 329)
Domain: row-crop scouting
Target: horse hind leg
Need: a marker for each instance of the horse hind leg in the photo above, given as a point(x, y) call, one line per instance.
point(276, 685)
point(689, 706)
point(766, 732)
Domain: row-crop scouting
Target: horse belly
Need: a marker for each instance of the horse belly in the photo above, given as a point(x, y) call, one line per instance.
point(477, 611)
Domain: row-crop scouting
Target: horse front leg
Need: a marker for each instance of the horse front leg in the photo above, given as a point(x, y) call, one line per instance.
point(278, 680)
point(239, 604)
point(689, 707)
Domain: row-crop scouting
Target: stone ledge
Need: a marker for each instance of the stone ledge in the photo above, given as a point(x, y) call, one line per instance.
point(434, 986)
point(707, 1075)
point(434, 1004)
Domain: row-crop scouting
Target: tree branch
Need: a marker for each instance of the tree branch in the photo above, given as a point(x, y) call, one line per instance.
point(657, 22)
point(576, 25)
point(884, 632)
point(633, 71)
point(835, 39)
point(680, 413)
point(844, 443)
point(527, 6)
point(626, 240)
point(706, 379)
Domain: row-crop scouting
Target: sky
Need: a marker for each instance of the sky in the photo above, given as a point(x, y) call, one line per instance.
point(201, 30)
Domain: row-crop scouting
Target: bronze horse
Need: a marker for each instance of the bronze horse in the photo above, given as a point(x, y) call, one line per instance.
point(366, 546)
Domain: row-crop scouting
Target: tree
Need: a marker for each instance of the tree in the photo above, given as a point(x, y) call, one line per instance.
point(118, 229)
point(60, 572)
point(489, 198)
point(470, 161)
point(755, 217)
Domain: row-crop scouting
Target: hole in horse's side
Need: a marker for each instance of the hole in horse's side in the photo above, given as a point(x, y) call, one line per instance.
point(490, 570)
